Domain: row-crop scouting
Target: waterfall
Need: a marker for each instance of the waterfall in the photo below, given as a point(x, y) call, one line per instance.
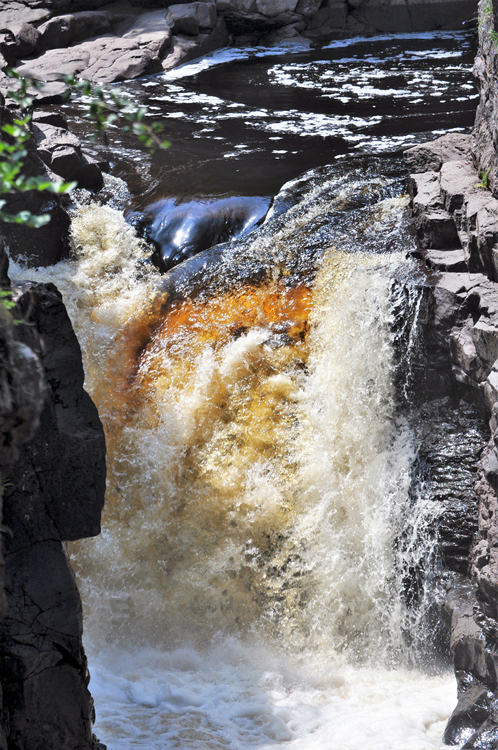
point(247, 588)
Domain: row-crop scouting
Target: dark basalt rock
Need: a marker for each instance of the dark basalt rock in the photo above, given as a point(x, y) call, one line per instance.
point(54, 493)
point(474, 705)
point(461, 337)
point(184, 230)
point(486, 738)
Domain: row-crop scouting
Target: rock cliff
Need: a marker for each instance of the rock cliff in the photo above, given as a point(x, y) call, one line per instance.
point(53, 491)
point(52, 472)
point(454, 189)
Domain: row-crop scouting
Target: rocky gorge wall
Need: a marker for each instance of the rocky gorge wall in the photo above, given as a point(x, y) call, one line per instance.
point(52, 473)
point(454, 189)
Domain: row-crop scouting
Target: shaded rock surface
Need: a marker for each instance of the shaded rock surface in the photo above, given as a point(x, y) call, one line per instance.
point(53, 153)
point(456, 221)
point(52, 493)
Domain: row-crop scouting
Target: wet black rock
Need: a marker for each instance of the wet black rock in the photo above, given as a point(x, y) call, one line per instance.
point(474, 705)
point(461, 337)
point(54, 493)
point(183, 230)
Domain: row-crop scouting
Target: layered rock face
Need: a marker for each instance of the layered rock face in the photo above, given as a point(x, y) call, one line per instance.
point(455, 209)
point(114, 42)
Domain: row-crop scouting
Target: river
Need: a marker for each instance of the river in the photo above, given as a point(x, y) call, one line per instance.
point(249, 585)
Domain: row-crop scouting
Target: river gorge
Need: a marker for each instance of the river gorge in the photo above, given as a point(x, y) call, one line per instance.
point(286, 507)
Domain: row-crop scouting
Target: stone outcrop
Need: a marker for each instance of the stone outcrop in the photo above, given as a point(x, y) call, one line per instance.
point(104, 42)
point(54, 153)
point(456, 221)
point(52, 469)
point(53, 480)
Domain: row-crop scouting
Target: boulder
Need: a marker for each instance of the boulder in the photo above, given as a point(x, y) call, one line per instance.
point(104, 60)
point(275, 7)
point(432, 155)
point(185, 48)
point(61, 31)
point(183, 19)
point(150, 30)
point(57, 32)
point(13, 12)
point(61, 151)
point(307, 8)
point(18, 40)
point(190, 18)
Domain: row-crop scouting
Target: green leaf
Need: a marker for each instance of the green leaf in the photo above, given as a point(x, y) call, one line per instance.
point(25, 217)
point(62, 187)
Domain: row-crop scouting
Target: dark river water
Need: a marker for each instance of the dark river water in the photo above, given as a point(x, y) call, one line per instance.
point(244, 122)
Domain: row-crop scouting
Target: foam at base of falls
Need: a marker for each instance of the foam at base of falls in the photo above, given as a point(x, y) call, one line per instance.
point(241, 696)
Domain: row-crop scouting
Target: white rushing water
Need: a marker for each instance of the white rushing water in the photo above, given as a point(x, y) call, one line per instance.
point(245, 591)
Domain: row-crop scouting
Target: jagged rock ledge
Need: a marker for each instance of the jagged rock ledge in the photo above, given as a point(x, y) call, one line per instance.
point(456, 221)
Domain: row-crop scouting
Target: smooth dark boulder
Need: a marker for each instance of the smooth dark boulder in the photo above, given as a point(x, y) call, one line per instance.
point(184, 230)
